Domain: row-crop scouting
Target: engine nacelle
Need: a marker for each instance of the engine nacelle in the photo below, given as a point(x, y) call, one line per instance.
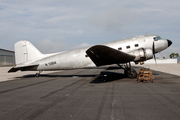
point(142, 54)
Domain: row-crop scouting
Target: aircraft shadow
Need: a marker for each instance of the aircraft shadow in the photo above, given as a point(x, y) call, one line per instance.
point(104, 76)
point(50, 75)
point(113, 68)
point(107, 76)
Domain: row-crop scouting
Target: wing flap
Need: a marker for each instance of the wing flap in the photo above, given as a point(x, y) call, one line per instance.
point(103, 55)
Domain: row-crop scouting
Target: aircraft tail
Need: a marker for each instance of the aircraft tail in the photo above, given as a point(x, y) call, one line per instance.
point(26, 52)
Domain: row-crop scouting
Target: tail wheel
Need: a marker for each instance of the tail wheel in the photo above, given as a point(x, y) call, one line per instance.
point(37, 75)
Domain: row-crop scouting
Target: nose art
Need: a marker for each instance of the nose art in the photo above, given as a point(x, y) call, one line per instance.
point(169, 42)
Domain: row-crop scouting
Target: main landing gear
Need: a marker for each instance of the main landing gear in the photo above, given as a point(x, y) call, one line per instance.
point(38, 74)
point(128, 71)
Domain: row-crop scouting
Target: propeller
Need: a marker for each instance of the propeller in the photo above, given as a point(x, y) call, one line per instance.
point(153, 47)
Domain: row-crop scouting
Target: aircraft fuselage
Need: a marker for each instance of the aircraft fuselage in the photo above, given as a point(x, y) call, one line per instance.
point(78, 58)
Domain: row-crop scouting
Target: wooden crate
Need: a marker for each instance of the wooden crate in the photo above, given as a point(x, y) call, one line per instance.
point(145, 75)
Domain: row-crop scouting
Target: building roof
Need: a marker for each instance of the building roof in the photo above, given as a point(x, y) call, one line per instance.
point(7, 50)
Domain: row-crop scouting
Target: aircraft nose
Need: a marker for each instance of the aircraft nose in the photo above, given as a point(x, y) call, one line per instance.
point(169, 42)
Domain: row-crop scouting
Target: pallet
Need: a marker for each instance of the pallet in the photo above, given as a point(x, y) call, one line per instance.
point(145, 75)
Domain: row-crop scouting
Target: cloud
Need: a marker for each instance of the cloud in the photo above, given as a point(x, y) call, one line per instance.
point(4, 36)
point(65, 24)
point(170, 50)
point(133, 17)
point(49, 46)
point(113, 19)
point(82, 45)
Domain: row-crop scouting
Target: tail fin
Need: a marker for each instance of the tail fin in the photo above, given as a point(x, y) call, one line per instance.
point(26, 52)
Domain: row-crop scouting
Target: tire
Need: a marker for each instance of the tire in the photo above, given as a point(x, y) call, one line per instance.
point(37, 75)
point(130, 73)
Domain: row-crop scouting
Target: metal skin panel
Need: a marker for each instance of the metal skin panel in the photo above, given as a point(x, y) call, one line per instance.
point(160, 45)
point(66, 60)
point(142, 54)
point(78, 58)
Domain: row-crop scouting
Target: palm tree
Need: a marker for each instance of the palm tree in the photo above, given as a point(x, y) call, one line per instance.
point(173, 55)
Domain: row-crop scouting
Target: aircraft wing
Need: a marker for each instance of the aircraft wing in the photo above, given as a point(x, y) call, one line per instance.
point(103, 55)
point(23, 68)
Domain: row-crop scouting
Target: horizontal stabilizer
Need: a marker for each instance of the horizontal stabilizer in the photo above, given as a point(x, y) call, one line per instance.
point(24, 68)
point(103, 55)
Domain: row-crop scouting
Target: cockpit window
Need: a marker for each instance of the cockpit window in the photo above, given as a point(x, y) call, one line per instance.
point(157, 38)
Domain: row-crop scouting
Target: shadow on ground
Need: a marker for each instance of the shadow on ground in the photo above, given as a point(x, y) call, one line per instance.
point(50, 75)
point(106, 76)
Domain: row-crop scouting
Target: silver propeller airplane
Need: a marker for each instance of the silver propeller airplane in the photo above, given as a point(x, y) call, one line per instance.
point(122, 52)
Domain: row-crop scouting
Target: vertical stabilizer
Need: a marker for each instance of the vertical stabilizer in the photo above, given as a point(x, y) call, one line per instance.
point(26, 52)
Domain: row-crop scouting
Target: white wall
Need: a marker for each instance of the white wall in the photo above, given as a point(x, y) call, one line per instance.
point(162, 61)
point(178, 59)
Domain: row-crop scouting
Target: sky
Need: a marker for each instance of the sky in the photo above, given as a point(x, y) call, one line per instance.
point(59, 25)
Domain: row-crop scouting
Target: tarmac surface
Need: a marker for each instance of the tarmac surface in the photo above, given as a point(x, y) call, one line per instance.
point(90, 94)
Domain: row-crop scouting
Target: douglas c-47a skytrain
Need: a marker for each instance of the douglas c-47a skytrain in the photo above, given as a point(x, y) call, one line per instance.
point(121, 52)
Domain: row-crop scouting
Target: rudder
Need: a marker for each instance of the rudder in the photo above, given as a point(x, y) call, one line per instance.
point(26, 52)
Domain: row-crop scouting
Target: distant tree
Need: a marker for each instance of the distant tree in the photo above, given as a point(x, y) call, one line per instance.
point(173, 55)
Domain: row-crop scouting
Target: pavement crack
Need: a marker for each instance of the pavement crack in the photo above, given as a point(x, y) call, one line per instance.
point(54, 92)
point(102, 102)
point(21, 87)
point(41, 111)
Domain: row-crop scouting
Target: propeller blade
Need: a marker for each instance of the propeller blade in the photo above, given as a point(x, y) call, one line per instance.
point(153, 47)
point(154, 52)
point(155, 59)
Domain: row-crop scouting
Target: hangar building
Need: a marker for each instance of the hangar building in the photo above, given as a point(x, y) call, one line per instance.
point(7, 57)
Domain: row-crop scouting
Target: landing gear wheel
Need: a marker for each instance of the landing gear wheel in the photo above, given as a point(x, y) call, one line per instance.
point(130, 73)
point(37, 75)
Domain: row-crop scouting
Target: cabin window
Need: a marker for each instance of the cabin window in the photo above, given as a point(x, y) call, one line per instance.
point(157, 38)
point(127, 47)
point(136, 45)
point(120, 48)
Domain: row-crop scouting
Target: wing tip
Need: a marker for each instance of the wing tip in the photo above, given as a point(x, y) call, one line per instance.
point(13, 70)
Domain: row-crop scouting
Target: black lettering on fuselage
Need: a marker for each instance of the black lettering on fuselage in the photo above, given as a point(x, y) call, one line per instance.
point(50, 63)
